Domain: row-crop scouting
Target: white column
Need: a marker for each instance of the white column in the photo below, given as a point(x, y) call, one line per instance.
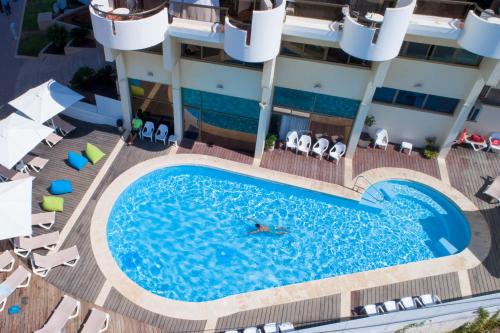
point(171, 56)
point(489, 73)
point(377, 76)
point(124, 90)
point(265, 107)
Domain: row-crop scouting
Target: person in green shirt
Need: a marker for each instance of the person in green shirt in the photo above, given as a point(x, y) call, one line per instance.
point(136, 127)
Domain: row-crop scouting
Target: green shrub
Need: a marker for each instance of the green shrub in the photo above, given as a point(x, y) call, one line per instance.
point(82, 78)
point(79, 34)
point(270, 141)
point(106, 74)
point(430, 151)
point(370, 121)
point(482, 324)
point(57, 35)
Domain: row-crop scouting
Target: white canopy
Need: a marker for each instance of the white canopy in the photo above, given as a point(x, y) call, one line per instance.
point(18, 136)
point(45, 101)
point(15, 208)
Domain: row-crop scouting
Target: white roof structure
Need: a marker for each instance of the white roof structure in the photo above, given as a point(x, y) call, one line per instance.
point(15, 208)
point(45, 101)
point(18, 136)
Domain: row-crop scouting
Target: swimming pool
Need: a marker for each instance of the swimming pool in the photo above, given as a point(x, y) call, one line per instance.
point(181, 232)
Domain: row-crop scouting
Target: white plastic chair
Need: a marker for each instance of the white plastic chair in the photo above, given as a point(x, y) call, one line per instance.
point(148, 130)
point(494, 136)
point(292, 139)
point(381, 138)
point(304, 144)
point(161, 133)
point(337, 151)
point(320, 147)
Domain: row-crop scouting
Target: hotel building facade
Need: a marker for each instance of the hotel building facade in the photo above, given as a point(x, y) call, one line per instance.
point(228, 72)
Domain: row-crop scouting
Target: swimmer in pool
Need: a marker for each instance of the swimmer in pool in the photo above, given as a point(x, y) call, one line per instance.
point(264, 228)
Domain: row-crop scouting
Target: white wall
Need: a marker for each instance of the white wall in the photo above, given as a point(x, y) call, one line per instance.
point(106, 112)
point(488, 121)
point(435, 78)
point(409, 125)
point(141, 64)
point(236, 81)
point(337, 80)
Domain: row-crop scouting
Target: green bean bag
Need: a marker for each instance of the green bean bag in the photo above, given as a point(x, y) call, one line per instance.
point(53, 204)
point(93, 153)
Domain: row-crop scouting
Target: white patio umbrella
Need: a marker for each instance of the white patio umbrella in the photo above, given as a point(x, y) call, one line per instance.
point(45, 101)
point(18, 136)
point(15, 208)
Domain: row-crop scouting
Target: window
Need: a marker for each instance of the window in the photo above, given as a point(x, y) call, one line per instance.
point(385, 95)
point(214, 55)
point(415, 50)
point(439, 53)
point(416, 100)
point(410, 98)
point(474, 113)
point(315, 52)
point(490, 96)
point(441, 104)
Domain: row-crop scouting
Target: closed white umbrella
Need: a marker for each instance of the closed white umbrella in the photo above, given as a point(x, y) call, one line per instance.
point(18, 136)
point(15, 208)
point(45, 101)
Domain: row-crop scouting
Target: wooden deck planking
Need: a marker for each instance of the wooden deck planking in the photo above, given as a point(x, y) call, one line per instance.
point(301, 314)
point(40, 299)
point(468, 172)
point(371, 158)
point(305, 166)
point(195, 147)
point(117, 303)
point(446, 286)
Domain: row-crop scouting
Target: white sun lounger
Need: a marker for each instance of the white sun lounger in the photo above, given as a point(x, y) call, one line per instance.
point(20, 278)
point(52, 139)
point(9, 174)
point(391, 306)
point(6, 261)
point(408, 303)
point(271, 328)
point(62, 126)
point(429, 299)
point(97, 322)
point(24, 245)
point(477, 146)
point(251, 330)
point(493, 190)
point(36, 163)
point(43, 264)
point(286, 327)
point(372, 309)
point(44, 220)
point(67, 309)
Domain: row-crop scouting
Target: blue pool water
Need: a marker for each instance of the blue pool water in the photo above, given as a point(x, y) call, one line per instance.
point(181, 232)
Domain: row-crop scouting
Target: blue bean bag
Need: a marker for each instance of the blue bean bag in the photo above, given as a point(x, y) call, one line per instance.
point(77, 161)
point(61, 186)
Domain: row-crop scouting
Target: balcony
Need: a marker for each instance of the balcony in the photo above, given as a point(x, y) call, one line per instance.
point(253, 34)
point(375, 36)
point(479, 31)
point(118, 26)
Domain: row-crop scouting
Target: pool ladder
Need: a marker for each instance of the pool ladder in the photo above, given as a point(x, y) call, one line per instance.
point(356, 187)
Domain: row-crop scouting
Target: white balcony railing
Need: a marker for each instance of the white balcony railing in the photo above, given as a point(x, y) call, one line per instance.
point(481, 33)
point(259, 41)
point(119, 29)
point(376, 37)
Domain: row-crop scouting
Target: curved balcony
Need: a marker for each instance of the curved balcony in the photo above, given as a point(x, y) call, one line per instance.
point(259, 40)
point(374, 36)
point(121, 29)
point(481, 33)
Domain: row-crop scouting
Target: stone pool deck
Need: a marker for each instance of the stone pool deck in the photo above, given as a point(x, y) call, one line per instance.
point(464, 170)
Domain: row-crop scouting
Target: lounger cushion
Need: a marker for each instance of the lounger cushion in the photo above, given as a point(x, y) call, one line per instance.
point(93, 153)
point(61, 186)
point(495, 142)
point(77, 161)
point(53, 204)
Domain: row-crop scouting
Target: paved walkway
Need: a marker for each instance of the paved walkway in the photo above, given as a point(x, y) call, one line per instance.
point(20, 74)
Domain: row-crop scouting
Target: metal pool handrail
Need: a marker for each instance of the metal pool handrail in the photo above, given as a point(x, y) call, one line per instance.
point(371, 185)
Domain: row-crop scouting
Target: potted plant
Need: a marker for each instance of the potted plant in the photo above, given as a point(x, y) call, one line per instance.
point(270, 142)
point(365, 139)
point(430, 150)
